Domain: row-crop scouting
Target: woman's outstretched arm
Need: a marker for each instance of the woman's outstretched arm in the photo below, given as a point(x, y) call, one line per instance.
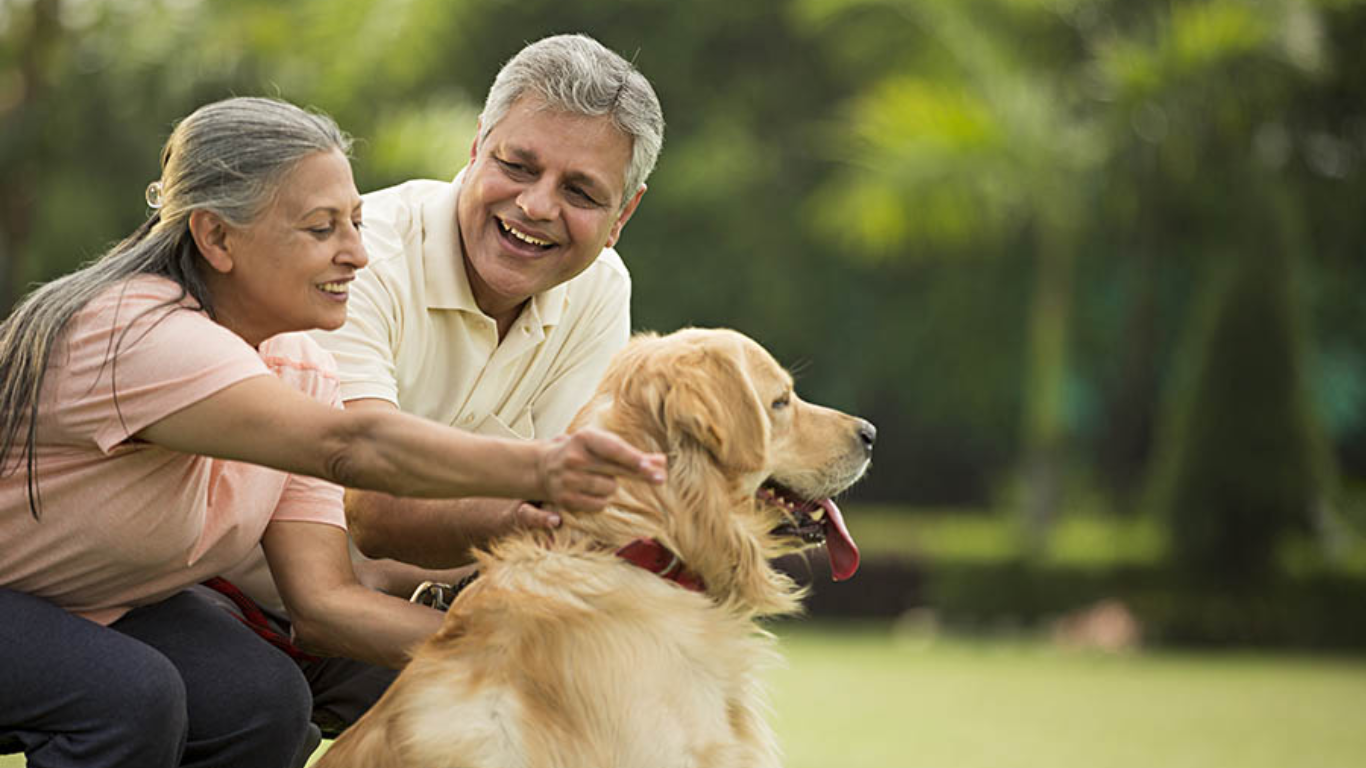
point(263, 421)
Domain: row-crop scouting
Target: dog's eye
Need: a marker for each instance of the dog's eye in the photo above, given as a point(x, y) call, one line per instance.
point(783, 401)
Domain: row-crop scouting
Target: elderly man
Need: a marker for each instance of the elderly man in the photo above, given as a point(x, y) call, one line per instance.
point(493, 303)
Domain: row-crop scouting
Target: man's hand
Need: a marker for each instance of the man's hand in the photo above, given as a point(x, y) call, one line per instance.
point(579, 471)
point(435, 533)
point(530, 516)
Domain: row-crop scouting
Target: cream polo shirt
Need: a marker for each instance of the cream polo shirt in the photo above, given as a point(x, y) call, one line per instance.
point(415, 337)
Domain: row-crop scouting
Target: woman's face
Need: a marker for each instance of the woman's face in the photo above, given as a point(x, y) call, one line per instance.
point(292, 267)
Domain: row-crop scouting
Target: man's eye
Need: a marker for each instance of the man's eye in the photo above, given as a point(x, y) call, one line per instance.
point(583, 197)
point(510, 167)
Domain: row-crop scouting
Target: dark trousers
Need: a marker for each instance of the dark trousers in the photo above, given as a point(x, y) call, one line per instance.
point(343, 689)
point(178, 683)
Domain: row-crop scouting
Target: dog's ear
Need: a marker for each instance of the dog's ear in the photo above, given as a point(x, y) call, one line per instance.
point(711, 401)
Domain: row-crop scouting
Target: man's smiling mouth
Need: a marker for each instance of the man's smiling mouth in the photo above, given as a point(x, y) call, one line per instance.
point(524, 237)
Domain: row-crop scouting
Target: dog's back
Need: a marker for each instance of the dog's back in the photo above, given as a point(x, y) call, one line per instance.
point(560, 655)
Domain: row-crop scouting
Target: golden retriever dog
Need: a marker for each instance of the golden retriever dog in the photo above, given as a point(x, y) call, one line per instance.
point(627, 638)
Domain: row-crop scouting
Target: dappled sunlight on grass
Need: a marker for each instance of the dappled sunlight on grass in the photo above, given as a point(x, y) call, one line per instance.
point(1084, 538)
point(866, 697)
point(974, 535)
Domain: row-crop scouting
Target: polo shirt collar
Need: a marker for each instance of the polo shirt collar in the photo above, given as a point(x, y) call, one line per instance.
point(443, 264)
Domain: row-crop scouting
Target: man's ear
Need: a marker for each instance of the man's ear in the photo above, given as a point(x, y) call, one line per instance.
point(474, 143)
point(210, 235)
point(625, 216)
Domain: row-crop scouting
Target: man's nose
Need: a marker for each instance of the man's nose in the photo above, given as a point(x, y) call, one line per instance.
point(537, 201)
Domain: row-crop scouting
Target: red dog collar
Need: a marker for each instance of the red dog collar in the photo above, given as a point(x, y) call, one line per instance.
point(657, 559)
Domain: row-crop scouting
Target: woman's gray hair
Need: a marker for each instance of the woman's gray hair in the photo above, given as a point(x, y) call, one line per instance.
point(228, 157)
point(578, 75)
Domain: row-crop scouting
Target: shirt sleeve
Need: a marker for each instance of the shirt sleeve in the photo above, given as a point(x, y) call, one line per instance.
point(598, 335)
point(310, 500)
point(364, 347)
point(129, 359)
point(298, 361)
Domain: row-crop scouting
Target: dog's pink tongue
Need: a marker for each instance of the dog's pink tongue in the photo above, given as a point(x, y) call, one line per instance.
point(839, 545)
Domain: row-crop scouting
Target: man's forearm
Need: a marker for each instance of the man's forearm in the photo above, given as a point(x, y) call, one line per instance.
point(401, 579)
point(432, 533)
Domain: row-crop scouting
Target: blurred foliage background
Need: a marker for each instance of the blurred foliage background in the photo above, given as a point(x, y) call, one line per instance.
point(1094, 267)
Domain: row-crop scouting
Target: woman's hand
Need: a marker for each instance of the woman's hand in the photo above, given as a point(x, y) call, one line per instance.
point(579, 471)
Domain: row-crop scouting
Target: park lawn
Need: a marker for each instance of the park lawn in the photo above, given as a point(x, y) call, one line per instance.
point(869, 696)
point(872, 698)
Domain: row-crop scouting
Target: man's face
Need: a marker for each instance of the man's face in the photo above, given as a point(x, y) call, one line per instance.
point(541, 199)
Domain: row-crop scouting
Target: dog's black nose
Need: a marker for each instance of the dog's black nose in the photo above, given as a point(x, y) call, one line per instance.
point(867, 434)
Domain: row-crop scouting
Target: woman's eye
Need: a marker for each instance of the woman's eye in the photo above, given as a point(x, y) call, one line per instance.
point(322, 231)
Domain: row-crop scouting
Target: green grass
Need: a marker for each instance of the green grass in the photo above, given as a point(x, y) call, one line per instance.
point(870, 697)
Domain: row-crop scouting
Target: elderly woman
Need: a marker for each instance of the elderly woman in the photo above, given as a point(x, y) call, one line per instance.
point(159, 419)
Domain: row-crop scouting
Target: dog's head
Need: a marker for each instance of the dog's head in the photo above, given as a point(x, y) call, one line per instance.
point(752, 467)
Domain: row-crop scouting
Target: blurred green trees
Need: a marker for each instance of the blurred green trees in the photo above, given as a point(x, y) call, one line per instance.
point(1054, 248)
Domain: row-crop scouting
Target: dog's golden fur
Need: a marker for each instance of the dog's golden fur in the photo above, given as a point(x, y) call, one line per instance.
point(562, 654)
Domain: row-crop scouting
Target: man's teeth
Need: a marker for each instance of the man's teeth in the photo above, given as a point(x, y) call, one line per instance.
point(339, 288)
point(524, 237)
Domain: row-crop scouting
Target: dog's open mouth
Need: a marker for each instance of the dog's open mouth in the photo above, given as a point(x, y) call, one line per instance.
point(814, 522)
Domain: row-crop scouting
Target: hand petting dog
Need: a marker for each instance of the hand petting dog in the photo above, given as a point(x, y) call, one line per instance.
point(581, 469)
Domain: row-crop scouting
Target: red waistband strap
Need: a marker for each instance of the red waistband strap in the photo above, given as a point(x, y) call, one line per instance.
point(256, 619)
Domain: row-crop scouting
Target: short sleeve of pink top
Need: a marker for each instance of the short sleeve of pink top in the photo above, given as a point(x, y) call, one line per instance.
point(126, 523)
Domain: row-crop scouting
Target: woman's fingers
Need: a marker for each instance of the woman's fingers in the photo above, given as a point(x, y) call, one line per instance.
point(614, 456)
point(582, 469)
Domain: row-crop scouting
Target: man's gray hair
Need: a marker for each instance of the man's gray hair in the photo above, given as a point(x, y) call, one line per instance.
point(578, 75)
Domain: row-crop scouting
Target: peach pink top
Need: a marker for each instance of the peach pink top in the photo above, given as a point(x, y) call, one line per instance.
point(126, 523)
